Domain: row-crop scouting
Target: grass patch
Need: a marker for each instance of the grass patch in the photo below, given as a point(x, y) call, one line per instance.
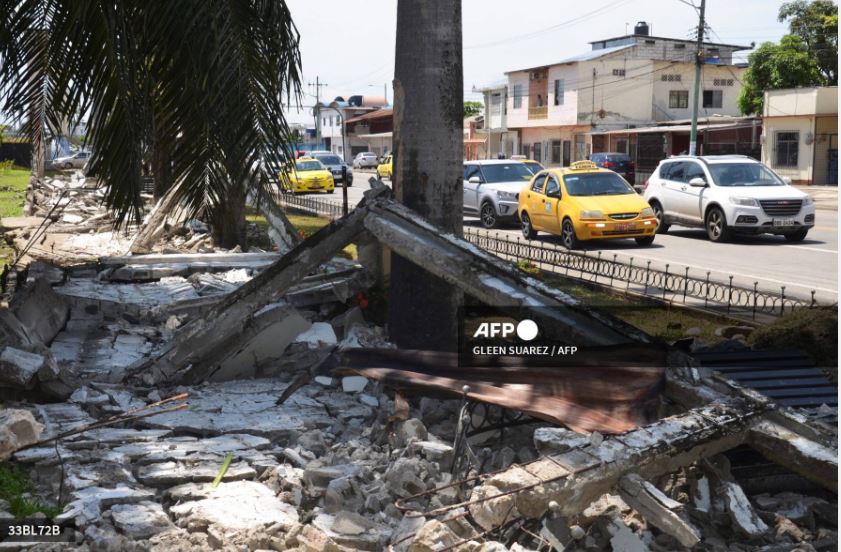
point(14, 488)
point(13, 183)
point(814, 331)
point(307, 225)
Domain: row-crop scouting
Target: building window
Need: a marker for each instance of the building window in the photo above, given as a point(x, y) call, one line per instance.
point(324, 121)
point(496, 104)
point(537, 149)
point(786, 149)
point(670, 78)
point(518, 96)
point(722, 82)
point(617, 73)
point(622, 145)
point(678, 99)
point(680, 46)
point(712, 98)
point(559, 91)
point(556, 152)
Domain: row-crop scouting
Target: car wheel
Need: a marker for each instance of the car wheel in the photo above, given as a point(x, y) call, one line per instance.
point(797, 236)
point(528, 230)
point(487, 214)
point(662, 227)
point(716, 225)
point(644, 241)
point(68, 165)
point(568, 237)
point(330, 191)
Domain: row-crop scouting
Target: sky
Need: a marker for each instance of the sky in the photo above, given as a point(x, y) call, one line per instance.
point(349, 45)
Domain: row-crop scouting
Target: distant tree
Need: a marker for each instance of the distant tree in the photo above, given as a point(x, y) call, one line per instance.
point(472, 108)
point(774, 66)
point(816, 24)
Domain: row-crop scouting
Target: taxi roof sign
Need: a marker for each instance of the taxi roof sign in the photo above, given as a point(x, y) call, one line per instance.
point(583, 165)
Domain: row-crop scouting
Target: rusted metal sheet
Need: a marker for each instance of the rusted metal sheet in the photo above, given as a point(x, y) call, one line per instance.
point(599, 394)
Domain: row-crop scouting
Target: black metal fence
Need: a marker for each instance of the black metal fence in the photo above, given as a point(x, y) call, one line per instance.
point(679, 285)
point(698, 290)
point(314, 204)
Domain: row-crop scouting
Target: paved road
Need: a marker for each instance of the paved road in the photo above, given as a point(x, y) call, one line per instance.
point(769, 260)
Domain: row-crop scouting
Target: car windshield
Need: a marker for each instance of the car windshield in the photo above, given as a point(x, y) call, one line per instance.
point(596, 184)
point(616, 157)
point(330, 159)
point(309, 166)
point(743, 174)
point(506, 172)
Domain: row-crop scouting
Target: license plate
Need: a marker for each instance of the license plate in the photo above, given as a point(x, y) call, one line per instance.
point(624, 226)
point(783, 222)
point(315, 186)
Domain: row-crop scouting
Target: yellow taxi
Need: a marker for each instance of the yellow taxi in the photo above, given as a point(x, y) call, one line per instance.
point(385, 168)
point(584, 202)
point(533, 165)
point(309, 175)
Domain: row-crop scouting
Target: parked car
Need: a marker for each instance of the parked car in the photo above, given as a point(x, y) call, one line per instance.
point(584, 202)
point(335, 164)
point(491, 189)
point(73, 161)
point(365, 160)
point(533, 165)
point(620, 163)
point(308, 175)
point(385, 169)
point(728, 195)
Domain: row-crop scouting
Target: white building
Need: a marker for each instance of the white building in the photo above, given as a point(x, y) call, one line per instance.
point(800, 134)
point(550, 110)
point(330, 118)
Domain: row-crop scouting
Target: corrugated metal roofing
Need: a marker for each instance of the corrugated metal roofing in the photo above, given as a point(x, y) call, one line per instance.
point(586, 56)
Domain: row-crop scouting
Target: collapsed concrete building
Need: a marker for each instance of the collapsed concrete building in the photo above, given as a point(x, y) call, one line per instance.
point(199, 399)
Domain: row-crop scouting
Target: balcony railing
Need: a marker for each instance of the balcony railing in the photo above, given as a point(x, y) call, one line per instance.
point(541, 112)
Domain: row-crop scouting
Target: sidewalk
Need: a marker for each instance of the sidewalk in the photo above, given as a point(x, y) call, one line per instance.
point(826, 197)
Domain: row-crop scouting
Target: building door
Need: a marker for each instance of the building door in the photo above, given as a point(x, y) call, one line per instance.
point(556, 152)
point(832, 161)
point(567, 153)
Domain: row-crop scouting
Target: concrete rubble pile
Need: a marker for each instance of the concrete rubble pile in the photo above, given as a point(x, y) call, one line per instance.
point(265, 448)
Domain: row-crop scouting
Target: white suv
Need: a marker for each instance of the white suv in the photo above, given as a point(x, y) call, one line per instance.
point(727, 195)
point(492, 190)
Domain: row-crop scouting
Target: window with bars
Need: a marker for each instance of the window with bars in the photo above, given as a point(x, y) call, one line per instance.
point(678, 99)
point(712, 98)
point(618, 72)
point(518, 96)
point(786, 149)
point(559, 91)
point(670, 78)
point(722, 82)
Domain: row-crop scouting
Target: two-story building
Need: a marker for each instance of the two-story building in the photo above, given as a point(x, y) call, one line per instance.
point(621, 83)
point(331, 116)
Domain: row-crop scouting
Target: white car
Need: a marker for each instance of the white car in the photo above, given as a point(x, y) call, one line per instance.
point(492, 190)
point(73, 161)
point(365, 160)
point(728, 195)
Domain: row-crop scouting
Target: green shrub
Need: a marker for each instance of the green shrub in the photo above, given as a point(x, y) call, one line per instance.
point(14, 487)
point(814, 331)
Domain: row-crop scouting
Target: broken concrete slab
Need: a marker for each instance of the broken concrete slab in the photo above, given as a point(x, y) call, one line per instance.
point(18, 428)
point(197, 470)
point(90, 501)
point(142, 520)
point(236, 505)
point(18, 368)
point(352, 530)
point(41, 310)
point(552, 440)
point(354, 384)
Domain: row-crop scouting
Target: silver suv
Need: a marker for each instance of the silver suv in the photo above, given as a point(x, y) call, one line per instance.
point(492, 189)
point(727, 195)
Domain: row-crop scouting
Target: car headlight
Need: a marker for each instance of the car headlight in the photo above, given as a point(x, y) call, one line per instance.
point(808, 200)
point(745, 201)
point(647, 212)
point(506, 196)
point(593, 215)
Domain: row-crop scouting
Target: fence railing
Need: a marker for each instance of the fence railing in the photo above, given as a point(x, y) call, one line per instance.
point(680, 286)
point(694, 289)
point(316, 205)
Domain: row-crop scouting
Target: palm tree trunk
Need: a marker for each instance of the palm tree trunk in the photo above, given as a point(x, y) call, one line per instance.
point(428, 157)
point(229, 222)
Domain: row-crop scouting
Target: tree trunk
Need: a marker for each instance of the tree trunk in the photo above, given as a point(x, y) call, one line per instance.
point(428, 156)
point(228, 222)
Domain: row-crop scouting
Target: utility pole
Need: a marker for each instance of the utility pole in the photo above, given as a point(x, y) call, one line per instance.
point(699, 61)
point(317, 111)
